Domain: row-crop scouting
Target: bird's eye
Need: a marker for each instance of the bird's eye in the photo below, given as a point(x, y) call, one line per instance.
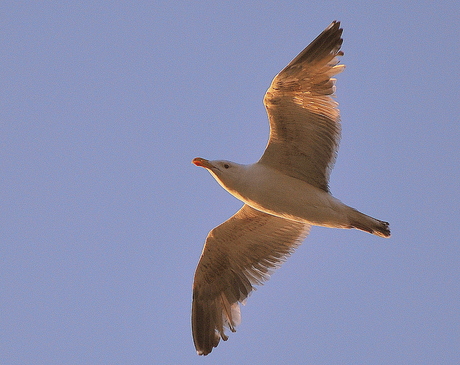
point(226, 165)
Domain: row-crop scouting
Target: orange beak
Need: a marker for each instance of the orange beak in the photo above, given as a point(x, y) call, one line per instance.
point(202, 162)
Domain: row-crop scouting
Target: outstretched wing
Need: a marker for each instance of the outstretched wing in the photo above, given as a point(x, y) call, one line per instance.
point(304, 119)
point(239, 253)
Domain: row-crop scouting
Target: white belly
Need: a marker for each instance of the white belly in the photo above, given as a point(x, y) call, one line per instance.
point(272, 192)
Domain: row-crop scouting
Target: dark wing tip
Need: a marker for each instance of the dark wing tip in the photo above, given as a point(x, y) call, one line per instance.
point(328, 42)
point(205, 337)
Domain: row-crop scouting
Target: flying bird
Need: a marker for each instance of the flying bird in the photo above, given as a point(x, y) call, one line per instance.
point(284, 193)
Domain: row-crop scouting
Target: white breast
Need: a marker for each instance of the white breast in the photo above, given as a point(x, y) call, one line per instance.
point(273, 192)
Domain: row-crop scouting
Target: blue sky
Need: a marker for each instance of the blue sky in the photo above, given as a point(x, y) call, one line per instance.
point(103, 217)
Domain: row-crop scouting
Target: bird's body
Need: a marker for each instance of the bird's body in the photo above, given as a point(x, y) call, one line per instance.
point(284, 193)
point(273, 192)
point(270, 191)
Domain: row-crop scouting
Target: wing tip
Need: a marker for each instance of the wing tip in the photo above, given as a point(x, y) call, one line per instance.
point(210, 319)
point(334, 27)
point(334, 23)
point(328, 42)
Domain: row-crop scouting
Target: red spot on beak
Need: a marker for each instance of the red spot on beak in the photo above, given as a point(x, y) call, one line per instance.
point(202, 162)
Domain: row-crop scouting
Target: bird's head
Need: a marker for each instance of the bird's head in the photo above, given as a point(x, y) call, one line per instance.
point(227, 173)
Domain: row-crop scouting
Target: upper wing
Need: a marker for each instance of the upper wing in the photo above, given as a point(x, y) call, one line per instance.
point(304, 119)
point(239, 253)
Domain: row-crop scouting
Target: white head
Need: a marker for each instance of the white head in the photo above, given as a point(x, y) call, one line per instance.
point(228, 174)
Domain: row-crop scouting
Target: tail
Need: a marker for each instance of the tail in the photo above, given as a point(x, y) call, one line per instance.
point(366, 223)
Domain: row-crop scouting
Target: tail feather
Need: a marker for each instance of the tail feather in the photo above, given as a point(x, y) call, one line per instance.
point(366, 223)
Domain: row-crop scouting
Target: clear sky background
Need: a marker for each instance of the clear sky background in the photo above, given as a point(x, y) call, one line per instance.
point(103, 217)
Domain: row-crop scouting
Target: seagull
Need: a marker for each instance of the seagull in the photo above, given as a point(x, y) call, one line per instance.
point(284, 193)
